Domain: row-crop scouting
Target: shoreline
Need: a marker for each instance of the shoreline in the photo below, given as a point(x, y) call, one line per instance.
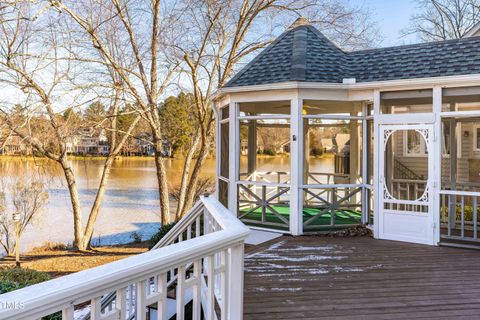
point(84, 158)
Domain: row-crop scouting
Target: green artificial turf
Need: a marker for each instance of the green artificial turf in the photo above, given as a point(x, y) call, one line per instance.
point(342, 217)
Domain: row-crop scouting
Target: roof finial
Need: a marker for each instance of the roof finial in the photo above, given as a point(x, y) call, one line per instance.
point(302, 21)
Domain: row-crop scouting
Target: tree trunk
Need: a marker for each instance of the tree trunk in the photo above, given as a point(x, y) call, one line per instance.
point(192, 186)
point(185, 177)
point(88, 233)
point(162, 181)
point(75, 201)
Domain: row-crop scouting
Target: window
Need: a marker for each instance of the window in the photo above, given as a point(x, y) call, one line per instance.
point(412, 101)
point(334, 151)
point(476, 138)
point(415, 145)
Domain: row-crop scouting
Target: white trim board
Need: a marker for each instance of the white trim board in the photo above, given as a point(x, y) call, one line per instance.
point(448, 81)
point(257, 237)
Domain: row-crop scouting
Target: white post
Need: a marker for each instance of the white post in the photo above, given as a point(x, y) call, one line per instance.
point(218, 157)
point(376, 152)
point(235, 288)
point(296, 167)
point(364, 174)
point(234, 154)
point(437, 160)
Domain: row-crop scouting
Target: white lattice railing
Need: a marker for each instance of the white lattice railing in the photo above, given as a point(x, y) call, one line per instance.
point(199, 261)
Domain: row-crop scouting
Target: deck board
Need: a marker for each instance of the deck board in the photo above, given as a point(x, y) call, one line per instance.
point(359, 278)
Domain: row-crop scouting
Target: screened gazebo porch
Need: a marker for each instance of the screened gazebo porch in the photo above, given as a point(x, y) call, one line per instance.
point(303, 161)
point(299, 164)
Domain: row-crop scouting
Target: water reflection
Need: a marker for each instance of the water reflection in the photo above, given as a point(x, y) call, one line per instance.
point(131, 199)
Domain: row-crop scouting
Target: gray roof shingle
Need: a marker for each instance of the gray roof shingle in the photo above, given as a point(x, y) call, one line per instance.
point(304, 54)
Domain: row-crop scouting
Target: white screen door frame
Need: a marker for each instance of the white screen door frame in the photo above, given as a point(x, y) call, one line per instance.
point(410, 219)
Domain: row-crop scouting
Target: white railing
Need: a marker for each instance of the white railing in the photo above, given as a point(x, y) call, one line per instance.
point(283, 177)
point(201, 262)
point(270, 177)
point(327, 178)
point(341, 204)
point(459, 216)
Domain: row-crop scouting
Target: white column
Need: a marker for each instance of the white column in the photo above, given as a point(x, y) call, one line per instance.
point(365, 164)
point(376, 156)
point(234, 154)
point(437, 160)
point(296, 167)
point(252, 147)
point(218, 157)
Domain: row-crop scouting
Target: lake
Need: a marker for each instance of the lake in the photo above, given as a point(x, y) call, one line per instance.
point(130, 204)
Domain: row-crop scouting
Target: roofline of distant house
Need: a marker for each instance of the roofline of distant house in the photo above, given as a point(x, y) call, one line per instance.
point(448, 81)
point(473, 30)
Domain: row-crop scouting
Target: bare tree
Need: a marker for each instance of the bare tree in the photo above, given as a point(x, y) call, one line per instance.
point(28, 197)
point(444, 19)
point(38, 63)
point(143, 67)
point(226, 34)
point(132, 51)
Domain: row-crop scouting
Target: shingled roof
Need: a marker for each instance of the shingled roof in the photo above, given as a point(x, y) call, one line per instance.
point(302, 53)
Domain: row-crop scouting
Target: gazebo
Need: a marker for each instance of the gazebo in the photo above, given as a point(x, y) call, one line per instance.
point(311, 138)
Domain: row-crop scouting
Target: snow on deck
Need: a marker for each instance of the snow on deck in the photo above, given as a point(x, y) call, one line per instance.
point(359, 278)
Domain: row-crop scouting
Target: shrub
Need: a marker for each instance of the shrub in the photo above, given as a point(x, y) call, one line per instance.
point(53, 246)
point(316, 152)
point(269, 152)
point(17, 278)
point(136, 237)
point(204, 185)
point(162, 231)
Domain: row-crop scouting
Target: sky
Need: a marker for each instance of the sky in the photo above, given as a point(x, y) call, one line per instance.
point(392, 16)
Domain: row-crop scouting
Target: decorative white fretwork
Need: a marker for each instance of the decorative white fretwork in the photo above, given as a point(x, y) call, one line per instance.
point(386, 135)
point(425, 133)
point(386, 193)
point(425, 196)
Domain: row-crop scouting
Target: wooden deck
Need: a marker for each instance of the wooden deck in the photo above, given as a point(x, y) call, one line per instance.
point(360, 278)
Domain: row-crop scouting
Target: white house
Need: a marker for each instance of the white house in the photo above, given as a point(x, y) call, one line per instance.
point(13, 145)
point(88, 141)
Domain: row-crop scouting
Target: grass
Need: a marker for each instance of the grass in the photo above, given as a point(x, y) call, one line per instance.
point(59, 261)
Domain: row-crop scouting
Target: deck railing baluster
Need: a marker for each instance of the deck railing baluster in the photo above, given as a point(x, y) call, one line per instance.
point(197, 290)
point(475, 218)
point(462, 217)
point(95, 311)
point(444, 213)
point(224, 285)
point(180, 296)
point(210, 288)
point(140, 299)
point(67, 313)
point(121, 303)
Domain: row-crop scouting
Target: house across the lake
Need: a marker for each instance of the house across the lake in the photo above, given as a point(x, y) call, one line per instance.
point(14, 145)
point(388, 138)
point(88, 141)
